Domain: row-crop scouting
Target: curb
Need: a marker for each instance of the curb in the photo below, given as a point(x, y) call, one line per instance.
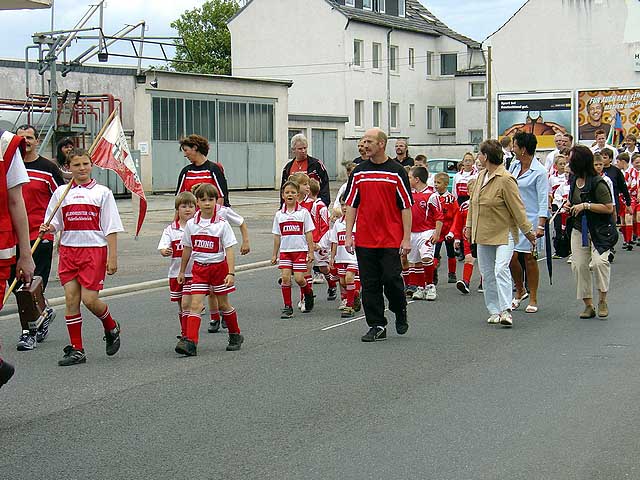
point(137, 287)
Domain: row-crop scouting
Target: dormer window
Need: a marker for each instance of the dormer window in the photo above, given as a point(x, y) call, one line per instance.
point(401, 8)
point(366, 4)
point(378, 6)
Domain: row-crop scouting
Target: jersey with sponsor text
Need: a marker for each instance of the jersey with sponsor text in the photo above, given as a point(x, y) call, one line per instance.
point(44, 179)
point(172, 238)
point(337, 235)
point(208, 239)
point(320, 216)
point(425, 211)
point(292, 225)
point(449, 212)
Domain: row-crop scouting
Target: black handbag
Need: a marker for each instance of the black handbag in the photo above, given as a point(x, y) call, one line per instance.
point(561, 244)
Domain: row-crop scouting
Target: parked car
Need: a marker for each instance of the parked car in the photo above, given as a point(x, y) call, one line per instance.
point(447, 165)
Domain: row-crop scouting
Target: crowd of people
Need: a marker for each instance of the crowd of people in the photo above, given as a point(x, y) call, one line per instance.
point(382, 236)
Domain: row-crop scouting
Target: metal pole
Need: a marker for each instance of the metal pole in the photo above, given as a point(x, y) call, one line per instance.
point(489, 92)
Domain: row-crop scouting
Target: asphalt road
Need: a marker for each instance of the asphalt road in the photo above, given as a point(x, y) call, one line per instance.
point(555, 397)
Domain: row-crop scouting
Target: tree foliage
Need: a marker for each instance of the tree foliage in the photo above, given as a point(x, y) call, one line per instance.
point(206, 38)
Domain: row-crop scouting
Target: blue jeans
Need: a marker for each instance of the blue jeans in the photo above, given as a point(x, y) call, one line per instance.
point(493, 261)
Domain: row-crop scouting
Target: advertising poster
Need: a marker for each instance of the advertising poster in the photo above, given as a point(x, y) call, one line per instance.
point(543, 114)
point(598, 109)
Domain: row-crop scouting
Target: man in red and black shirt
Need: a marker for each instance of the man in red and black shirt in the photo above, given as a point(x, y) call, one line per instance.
point(44, 178)
point(313, 167)
point(378, 198)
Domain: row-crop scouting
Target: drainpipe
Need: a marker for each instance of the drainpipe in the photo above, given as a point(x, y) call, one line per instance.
point(389, 81)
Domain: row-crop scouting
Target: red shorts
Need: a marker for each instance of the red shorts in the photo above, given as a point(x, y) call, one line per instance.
point(296, 261)
point(5, 273)
point(88, 265)
point(343, 268)
point(176, 291)
point(209, 278)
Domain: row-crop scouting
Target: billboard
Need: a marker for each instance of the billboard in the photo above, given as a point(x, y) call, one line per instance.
point(597, 109)
point(543, 114)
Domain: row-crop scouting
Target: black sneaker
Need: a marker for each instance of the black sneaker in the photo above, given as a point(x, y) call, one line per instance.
point(409, 290)
point(347, 312)
point(214, 326)
point(186, 347)
point(43, 329)
point(6, 372)
point(452, 278)
point(112, 337)
point(26, 342)
point(72, 357)
point(480, 287)
point(224, 324)
point(332, 294)
point(375, 334)
point(401, 322)
point(235, 341)
point(463, 287)
point(357, 302)
point(308, 302)
point(435, 276)
point(287, 312)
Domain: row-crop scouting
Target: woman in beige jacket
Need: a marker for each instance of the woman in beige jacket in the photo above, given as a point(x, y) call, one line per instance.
point(496, 214)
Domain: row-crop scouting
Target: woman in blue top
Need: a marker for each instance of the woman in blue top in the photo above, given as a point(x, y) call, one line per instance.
point(534, 190)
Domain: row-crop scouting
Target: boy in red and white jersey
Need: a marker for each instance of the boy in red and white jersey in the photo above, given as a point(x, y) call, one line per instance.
point(320, 217)
point(468, 249)
point(449, 212)
point(626, 212)
point(426, 225)
point(170, 245)
point(293, 239)
point(461, 179)
point(89, 223)
point(306, 202)
point(559, 192)
point(208, 242)
point(345, 263)
point(635, 196)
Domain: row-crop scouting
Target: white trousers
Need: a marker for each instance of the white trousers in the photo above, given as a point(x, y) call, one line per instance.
point(493, 261)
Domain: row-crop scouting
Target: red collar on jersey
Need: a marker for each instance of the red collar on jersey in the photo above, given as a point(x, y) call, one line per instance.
point(284, 208)
point(198, 215)
point(91, 184)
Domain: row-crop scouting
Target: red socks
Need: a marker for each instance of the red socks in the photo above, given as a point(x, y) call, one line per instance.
point(286, 294)
point(74, 326)
point(467, 271)
point(193, 327)
point(351, 294)
point(183, 322)
point(428, 273)
point(107, 322)
point(452, 265)
point(231, 319)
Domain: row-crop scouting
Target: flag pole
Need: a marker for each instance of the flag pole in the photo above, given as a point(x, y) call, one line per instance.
point(55, 210)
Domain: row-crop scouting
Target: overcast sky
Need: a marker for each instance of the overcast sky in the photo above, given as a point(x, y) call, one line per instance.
point(474, 18)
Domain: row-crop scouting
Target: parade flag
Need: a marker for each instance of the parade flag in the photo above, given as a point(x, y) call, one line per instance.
point(112, 152)
point(616, 132)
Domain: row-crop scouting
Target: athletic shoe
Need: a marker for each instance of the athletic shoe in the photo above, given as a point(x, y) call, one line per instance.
point(629, 246)
point(26, 342)
point(72, 357)
point(343, 304)
point(555, 256)
point(348, 312)
point(318, 277)
point(569, 260)
point(431, 294)
point(357, 302)
point(332, 294)
point(420, 294)
point(435, 276)
point(301, 306)
point(480, 287)
point(375, 334)
point(186, 347)
point(235, 341)
point(224, 323)
point(401, 322)
point(214, 326)
point(463, 287)
point(493, 319)
point(409, 290)
point(506, 319)
point(452, 278)
point(43, 329)
point(6, 372)
point(112, 337)
point(287, 312)
point(308, 302)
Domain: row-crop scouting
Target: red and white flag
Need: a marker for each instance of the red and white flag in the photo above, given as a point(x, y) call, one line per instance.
point(112, 152)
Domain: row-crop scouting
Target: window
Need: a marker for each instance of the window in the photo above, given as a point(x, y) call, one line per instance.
point(358, 113)
point(447, 117)
point(401, 8)
point(476, 136)
point(412, 114)
point(393, 58)
point(378, 6)
point(448, 63)
point(357, 53)
point(233, 122)
point(168, 118)
point(476, 89)
point(412, 58)
point(260, 123)
point(200, 118)
point(376, 55)
point(350, 3)
point(377, 113)
point(366, 4)
point(395, 110)
point(430, 118)
point(429, 61)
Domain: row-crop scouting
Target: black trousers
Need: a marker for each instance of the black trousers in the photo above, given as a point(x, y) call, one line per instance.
point(380, 272)
point(42, 258)
point(451, 252)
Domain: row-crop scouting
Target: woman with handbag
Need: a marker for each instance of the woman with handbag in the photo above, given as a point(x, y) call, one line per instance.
point(594, 233)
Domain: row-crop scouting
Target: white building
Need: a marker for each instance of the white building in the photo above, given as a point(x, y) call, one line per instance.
point(363, 63)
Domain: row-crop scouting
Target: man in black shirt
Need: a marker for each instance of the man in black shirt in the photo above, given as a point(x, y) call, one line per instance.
point(617, 178)
point(361, 151)
point(402, 153)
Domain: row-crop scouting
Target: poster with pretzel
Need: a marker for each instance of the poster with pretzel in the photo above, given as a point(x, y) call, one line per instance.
point(544, 114)
point(597, 110)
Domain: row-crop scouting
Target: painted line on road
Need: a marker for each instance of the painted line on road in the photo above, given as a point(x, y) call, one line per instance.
point(330, 327)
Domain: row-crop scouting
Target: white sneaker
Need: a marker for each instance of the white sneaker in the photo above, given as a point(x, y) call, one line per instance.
point(506, 319)
point(494, 319)
point(318, 278)
point(419, 294)
point(302, 306)
point(431, 294)
point(569, 260)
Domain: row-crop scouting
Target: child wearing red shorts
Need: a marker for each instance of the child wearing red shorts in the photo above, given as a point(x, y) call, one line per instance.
point(89, 223)
point(170, 245)
point(208, 242)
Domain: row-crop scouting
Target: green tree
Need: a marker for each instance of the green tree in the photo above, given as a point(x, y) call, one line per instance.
point(206, 38)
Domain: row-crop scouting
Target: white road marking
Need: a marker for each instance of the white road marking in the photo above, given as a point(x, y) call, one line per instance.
point(355, 319)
